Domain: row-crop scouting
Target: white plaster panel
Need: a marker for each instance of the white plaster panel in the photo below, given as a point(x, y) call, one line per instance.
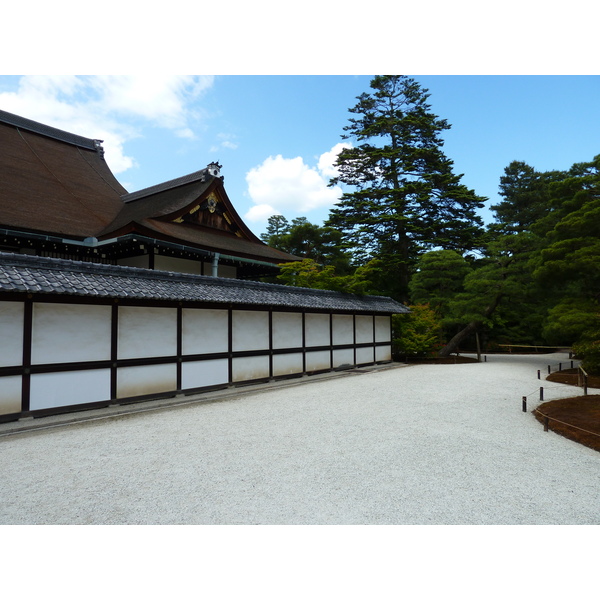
point(147, 331)
point(150, 379)
point(250, 367)
point(317, 329)
point(70, 333)
point(382, 329)
point(250, 330)
point(343, 357)
point(383, 353)
point(10, 395)
point(11, 334)
point(178, 265)
point(343, 330)
point(364, 356)
point(364, 329)
point(286, 364)
point(51, 390)
point(204, 331)
point(287, 330)
point(203, 373)
point(318, 361)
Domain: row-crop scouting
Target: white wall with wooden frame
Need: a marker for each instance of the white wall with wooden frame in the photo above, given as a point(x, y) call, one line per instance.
point(61, 352)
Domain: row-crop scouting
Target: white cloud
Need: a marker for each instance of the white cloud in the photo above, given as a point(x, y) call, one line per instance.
point(158, 98)
point(96, 106)
point(290, 187)
point(225, 140)
point(327, 160)
point(260, 213)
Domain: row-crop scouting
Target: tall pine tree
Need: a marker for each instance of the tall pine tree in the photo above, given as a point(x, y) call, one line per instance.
point(406, 199)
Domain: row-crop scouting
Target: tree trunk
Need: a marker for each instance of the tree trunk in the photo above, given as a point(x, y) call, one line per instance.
point(453, 344)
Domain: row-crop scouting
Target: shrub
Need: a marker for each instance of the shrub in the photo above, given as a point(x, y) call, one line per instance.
point(589, 353)
point(416, 335)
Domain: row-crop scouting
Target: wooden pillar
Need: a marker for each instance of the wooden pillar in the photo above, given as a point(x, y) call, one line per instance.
point(114, 350)
point(26, 360)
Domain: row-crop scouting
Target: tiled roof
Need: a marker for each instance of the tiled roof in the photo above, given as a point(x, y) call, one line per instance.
point(51, 132)
point(200, 176)
point(57, 184)
point(218, 241)
point(34, 274)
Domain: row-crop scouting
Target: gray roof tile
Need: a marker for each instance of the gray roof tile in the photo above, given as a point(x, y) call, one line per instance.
point(35, 274)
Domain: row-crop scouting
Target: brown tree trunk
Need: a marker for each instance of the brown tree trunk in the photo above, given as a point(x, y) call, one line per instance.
point(452, 345)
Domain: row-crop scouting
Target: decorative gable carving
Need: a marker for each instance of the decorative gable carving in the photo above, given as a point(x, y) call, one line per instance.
point(210, 213)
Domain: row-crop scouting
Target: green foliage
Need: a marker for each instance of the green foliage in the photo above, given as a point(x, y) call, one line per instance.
point(306, 240)
point(416, 334)
point(589, 352)
point(309, 274)
point(406, 197)
point(572, 319)
point(574, 252)
point(501, 276)
point(439, 277)
point(277, 227)
point(526, 197)
point(540, 277)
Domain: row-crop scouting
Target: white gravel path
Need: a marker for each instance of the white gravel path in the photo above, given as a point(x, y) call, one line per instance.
point(443, 444)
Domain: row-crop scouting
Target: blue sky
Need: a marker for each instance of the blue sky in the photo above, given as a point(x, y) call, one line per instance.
point(275, 135)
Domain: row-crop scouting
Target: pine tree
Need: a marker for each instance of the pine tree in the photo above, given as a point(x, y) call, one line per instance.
point(525, 197)
point(406, 199)
point(277, 227)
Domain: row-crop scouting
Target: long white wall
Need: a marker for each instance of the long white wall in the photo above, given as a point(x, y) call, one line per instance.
point(63, 354)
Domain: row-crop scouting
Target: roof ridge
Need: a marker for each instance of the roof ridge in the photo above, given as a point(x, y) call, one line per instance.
point(166, 185)
point(51, 132)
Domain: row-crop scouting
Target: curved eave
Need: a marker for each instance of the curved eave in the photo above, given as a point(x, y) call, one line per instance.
point(216, 242)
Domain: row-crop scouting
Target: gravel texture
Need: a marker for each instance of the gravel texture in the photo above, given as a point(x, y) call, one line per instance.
point(423, 444)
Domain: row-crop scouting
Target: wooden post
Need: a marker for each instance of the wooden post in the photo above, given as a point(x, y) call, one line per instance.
point(524, 403)
point(548, 369)
point(539, 377)
point(582, 379)
point(545, 423)
point(541, 394)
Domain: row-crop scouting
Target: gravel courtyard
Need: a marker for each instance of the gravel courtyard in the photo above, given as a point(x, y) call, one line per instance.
point(424, 444)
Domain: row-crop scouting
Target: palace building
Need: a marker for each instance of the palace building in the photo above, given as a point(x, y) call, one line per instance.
point(108, 296)
point(60, 199)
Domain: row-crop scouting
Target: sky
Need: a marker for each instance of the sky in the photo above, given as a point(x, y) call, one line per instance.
point(277, 136)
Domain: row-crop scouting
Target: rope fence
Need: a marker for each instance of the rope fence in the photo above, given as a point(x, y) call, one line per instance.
point(547, 419)
point(540, 393)
point(582, 381)
point(557, 367)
